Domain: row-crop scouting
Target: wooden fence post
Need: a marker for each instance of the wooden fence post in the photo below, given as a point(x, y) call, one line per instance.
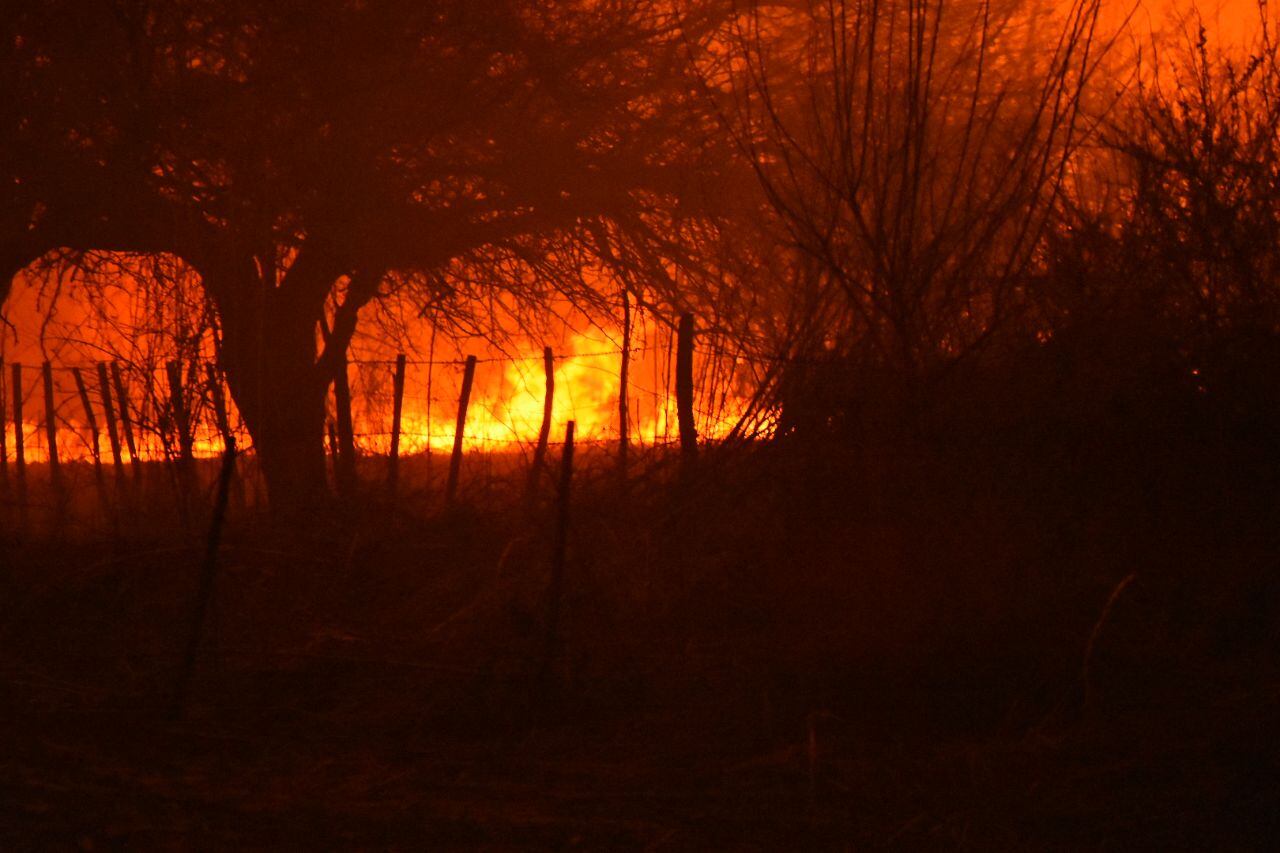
point(186, 440)
point(223, 421)
point(684, 388)
point(624, 426)
point(95, 448)
point(108, 412)
point(19, 440)
point(204, 594)
point(91, 420)
point(220, 409)
point(559, 549)
point(345, 468)
point(455, 461)
point(126, 421)
point(544, 432)
point(397, 409)
point(181, 413)
point(51, 429)
point(431, 375)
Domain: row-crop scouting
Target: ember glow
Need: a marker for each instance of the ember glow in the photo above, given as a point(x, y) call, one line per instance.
point(506, 407)
point(504, 415)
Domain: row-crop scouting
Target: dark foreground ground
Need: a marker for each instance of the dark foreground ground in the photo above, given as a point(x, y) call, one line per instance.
point(985, 645)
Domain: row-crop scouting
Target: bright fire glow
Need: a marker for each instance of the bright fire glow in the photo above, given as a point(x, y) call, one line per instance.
point(506, 405)
point(505, 411)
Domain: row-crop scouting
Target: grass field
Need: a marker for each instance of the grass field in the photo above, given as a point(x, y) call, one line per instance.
point(977, 643)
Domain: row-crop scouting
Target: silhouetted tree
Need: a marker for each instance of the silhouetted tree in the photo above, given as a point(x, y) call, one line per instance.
point(1201, 146)
point(293, 153)
point(1165, 265)
point(911, 154)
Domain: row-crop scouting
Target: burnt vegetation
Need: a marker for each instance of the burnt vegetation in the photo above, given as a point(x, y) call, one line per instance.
point(986, 559)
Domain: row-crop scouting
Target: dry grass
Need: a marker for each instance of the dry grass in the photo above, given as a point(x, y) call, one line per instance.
point(802, 648)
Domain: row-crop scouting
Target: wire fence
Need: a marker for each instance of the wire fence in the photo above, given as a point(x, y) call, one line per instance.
point(81, 402)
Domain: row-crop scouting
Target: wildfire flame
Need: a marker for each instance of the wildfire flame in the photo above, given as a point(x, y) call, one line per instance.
point(505, 410)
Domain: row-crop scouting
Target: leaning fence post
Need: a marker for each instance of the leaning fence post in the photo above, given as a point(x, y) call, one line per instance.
point(397, 409)
point(108, 411)
point(91, 420)
point(126, 421)
point(223, 422)
point(455, 461)
point(559, 549)
point(220, 409)
point(19, 440)
point(51, 429)
point(624, 427)
point(345, 466)
point(95, 448)
point(186, 441)
point(544, 432)
point(181, 413)
point(684, 388)
point(204, 594)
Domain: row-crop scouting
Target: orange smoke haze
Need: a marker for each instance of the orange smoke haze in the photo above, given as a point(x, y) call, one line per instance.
point(506, 405)
point(1230, 23)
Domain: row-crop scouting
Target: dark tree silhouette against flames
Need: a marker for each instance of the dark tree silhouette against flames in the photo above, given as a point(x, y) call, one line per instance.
point(297, 152)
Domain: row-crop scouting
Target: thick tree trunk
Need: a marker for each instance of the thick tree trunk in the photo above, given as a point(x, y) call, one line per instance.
point(290, 448)
point(281, 398)
point(268, 355)
point(276, 376)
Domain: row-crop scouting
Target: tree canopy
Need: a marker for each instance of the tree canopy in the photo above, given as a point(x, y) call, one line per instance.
point(293, 153)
